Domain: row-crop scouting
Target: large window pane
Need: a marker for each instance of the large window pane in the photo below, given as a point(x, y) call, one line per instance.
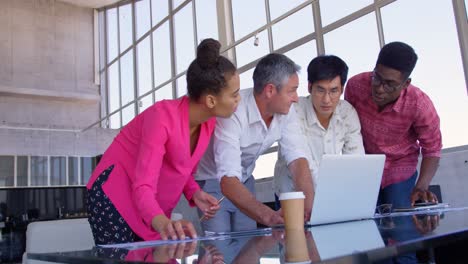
point(127, 80)
point(143, 17)
point(164, 92)
point(159, 10)
point(279, 7)
point(248, 16)
point(112, 47)
point(125, 23)
point(287, 31)
point(7, 170)
point(439, 71)
point(114, 95)
point(184, 39)
point(246, 80)
point(39, 171)
point(332, 10)
point(302, 56)
point(22, 171)
point(144, 73)
point(357, 43)
point(181, 86)
point(128, 113)
point(73, 177)
point(162, 54)
point(247, 52)
point(207, 22)
point(86, 169)
point(58, 171)
point(176, 3)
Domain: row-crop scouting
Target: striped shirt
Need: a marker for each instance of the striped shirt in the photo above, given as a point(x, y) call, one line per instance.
point(401, 131)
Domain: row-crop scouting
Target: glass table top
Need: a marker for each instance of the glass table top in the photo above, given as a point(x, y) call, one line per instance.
point(363, 241)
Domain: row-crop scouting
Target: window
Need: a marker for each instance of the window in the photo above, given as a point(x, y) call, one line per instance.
point(207, 22)
point(439, 68)
point(159, 10)
point(86, 169)
point(247, 52)
point(7, 171)
point(184, 39)
point(302, 56)
point(58, 173)
point(114, 95)
point(287, 30)
point(73, 178)
point(162, 54)
point(332, 10)
point(246, 80)
point(112, 48)
point(39, 171)
point(22, 171)
point(144, 73)
point(143, 17)
point(125, 25)
point(357, 43)
point(255, 12)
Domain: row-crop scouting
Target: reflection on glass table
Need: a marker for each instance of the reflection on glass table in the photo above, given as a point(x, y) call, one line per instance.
point(350, 242)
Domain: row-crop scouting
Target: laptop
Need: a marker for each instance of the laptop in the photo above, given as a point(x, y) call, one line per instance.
point(347, 188)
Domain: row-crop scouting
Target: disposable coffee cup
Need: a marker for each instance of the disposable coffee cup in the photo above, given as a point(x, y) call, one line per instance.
point(292, 204)
point(296, 247)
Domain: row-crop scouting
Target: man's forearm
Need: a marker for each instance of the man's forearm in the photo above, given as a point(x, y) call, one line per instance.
point(429, 167)
point(243, 199)
point(303, 179)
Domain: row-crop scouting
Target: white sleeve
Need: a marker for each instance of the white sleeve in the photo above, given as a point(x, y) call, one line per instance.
point(292, 140)
point(227, 152)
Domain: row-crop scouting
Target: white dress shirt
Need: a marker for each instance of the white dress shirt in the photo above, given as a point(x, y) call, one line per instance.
point(343, 136)
point(238, 141)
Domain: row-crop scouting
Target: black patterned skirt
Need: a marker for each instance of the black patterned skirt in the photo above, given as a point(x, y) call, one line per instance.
point(107, 225)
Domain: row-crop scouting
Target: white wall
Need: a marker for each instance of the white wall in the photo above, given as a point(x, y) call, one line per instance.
point(47, 79)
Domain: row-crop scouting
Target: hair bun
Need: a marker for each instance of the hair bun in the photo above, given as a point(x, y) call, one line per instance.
point(208, 53)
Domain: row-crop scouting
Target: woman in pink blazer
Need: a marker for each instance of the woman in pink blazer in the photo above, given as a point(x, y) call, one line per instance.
point(151, 162)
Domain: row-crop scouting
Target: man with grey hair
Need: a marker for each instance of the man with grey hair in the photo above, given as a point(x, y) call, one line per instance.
point(262, 118)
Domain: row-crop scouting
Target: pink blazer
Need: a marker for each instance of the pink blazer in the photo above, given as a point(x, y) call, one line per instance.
point(153, 164)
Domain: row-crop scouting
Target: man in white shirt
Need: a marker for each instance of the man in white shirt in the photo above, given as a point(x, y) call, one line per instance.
point(330, 125)
point(262, 118)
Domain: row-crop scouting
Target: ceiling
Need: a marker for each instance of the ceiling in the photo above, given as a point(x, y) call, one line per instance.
point(90, 3)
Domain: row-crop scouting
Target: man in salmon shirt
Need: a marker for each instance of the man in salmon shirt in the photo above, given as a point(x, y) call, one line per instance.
point(400, 121)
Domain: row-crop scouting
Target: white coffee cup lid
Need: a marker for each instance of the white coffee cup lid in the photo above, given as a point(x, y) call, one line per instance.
point(291, 195)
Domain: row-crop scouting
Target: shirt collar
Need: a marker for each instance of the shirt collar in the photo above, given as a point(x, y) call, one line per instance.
point(252, 109)
point(312, 116)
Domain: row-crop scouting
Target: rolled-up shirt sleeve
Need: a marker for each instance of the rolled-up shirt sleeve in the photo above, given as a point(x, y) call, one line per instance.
point(226, 147)
point(427, 127)
point(292, 141)
point(147, 172)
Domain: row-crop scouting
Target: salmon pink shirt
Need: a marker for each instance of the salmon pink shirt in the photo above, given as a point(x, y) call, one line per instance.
point(153, 165)
point(402, 130)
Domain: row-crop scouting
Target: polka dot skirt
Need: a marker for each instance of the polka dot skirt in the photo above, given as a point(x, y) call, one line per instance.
point(107, 224)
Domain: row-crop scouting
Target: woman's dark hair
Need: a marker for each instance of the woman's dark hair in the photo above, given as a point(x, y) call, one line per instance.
point(209, 72)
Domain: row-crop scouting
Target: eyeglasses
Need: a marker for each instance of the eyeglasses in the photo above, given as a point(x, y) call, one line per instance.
point(376, 80)
point(333, 93)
